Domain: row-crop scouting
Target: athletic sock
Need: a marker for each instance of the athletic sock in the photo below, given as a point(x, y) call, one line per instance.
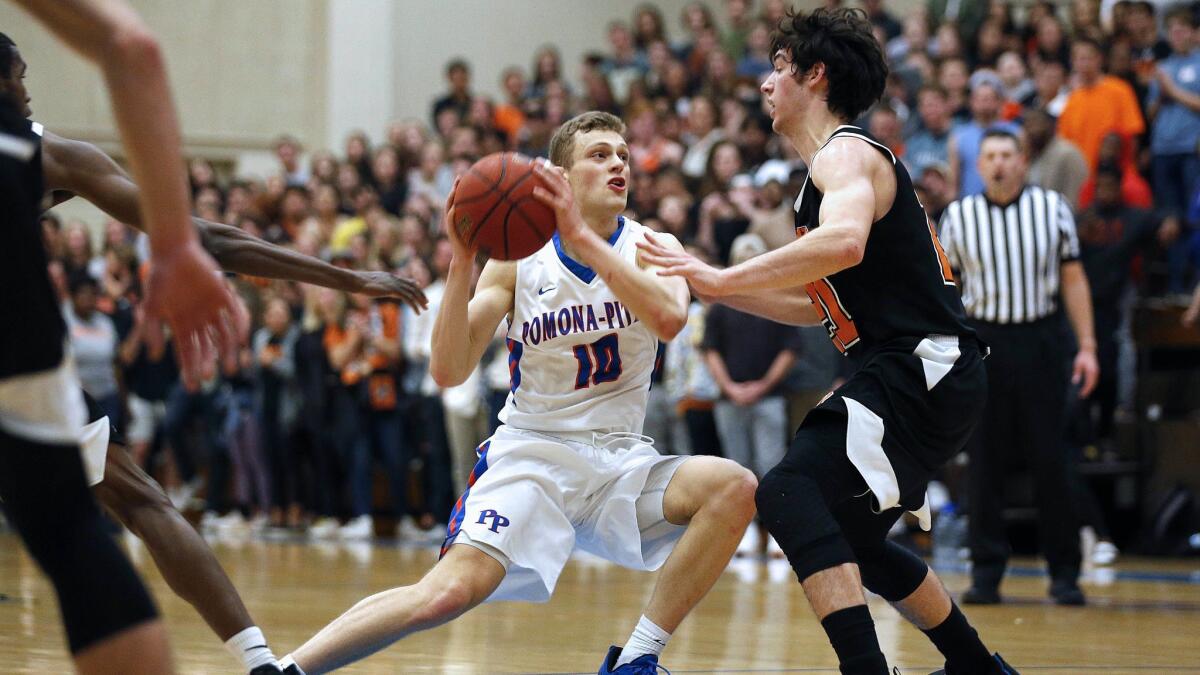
point(647, 638)
point(852, 634)
point(251, 647)
point(960, 644)
point(288, 662)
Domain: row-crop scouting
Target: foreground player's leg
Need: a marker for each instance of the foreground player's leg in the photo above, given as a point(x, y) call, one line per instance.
point(903, 579)
point(794, 500)
point(931, 609)
point(186, 562)
point(465, 577)
point(714, 498)
point(111, 623)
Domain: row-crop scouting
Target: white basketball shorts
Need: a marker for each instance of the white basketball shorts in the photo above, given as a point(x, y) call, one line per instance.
point(532, 498)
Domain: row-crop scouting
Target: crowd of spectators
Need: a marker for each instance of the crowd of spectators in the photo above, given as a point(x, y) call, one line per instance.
point(331, 386)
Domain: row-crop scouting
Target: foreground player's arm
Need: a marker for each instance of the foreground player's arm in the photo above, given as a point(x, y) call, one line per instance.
point(661, 303)
point(846, 176)
point(183, 287)
point(1077, 297)
point(83, 169)
point(789, 306)
point(465, 325)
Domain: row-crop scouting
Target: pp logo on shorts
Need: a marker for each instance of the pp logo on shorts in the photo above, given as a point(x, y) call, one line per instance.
point(498, 521)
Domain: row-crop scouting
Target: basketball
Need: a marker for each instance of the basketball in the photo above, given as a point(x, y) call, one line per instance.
point(495, 211)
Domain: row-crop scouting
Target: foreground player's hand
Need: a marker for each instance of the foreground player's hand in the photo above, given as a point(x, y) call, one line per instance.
point(453, 232)
point(185, 290)
point(555, 192)
point(1085, 372)
point(388, 285)
point(704, 279)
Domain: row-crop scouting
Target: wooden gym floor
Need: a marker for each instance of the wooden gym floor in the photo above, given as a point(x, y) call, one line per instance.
point(1143, 618)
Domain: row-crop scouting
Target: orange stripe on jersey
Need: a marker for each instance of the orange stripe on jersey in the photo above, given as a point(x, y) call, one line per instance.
point(947, 272)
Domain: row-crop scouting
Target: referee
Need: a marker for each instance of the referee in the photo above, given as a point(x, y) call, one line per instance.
point(1016, 252)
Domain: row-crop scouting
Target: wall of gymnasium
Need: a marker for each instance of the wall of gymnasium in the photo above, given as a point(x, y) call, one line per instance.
point(245, 71)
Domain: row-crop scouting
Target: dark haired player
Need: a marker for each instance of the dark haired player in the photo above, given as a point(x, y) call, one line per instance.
point(73, 167)
point(872, 271)
point(111, 623)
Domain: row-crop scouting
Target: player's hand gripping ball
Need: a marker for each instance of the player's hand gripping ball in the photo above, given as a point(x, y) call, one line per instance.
point(495, 212)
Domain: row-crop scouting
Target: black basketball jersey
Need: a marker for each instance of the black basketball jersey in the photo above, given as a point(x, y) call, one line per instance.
point(902, 289)
point(31, 324)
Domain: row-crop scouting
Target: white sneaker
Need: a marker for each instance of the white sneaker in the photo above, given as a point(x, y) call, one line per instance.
point(361, 527)
point(324, 528)
point(259, 523)
point(232, 523)
point(407, 530)
point(773, 550)
point(751, 544)
point(1105, 553)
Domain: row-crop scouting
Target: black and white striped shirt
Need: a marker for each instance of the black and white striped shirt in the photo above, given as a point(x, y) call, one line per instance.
point(1007, 257)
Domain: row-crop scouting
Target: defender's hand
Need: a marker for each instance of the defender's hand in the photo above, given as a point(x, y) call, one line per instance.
point(704, 279)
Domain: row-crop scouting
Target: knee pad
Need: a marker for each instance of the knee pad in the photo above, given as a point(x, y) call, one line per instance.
point(890, 570)
point(794, 510)
point(46, 495)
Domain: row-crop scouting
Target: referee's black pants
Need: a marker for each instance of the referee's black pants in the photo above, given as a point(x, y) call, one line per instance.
point(1024, 420)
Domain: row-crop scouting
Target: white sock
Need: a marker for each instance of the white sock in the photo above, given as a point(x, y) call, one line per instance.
point(251, 647)
point(647, 638)
point(289, 661)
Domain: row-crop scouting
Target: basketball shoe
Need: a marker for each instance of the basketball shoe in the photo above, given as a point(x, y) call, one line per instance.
point(642, 665)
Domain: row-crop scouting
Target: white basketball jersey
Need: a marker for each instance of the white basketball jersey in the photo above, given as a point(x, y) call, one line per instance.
point(578, 359)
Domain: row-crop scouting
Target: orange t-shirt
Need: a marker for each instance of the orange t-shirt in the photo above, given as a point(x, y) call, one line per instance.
point(388, 318)
point(509, 119)
point(1094, 112)
point(334, 336)
point(384, 318)
point(1135, 191)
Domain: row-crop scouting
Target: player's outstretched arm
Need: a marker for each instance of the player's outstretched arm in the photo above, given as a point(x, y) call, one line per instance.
point(465, 325)
point(846, 176)
point(660, 302)
point(184, 287)
point(790, 306)
point(82, 169)
point(113, 36)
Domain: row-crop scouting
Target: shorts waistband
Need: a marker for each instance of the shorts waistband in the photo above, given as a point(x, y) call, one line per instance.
point(599, 439)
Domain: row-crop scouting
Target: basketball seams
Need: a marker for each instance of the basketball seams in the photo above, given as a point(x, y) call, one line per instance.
point(497, 201)
point(529, 222)
point(501, 199)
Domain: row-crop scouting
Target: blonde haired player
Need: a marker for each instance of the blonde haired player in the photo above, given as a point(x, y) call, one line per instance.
point(568, 467)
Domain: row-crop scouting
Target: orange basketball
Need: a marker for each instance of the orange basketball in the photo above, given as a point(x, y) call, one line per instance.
point(495, 211)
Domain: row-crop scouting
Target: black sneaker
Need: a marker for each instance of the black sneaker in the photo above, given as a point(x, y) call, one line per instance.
point(1002, 668)
point(1067, 593)
point(981, 595)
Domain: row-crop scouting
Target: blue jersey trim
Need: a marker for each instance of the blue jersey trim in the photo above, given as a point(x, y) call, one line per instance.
point(515, 351)
point(585, 273)
point(460, 507)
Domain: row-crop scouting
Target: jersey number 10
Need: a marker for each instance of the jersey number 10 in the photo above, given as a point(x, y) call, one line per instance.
point(599, 362)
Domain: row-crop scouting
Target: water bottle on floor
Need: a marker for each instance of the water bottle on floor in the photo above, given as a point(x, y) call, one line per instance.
point(949, 536)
